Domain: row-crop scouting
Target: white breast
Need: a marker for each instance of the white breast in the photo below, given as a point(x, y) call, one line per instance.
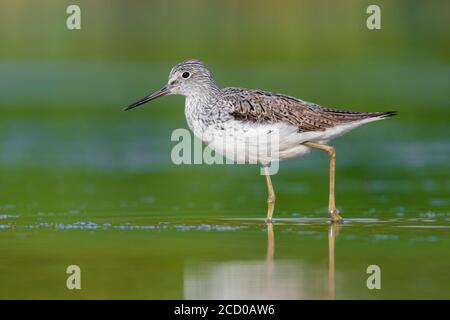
point(192, 111)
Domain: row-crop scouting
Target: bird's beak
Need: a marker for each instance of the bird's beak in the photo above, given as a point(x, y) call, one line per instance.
point(155, 95)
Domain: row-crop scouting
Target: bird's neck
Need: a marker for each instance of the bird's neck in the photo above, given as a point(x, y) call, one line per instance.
point(204, 91)
point(201, 110)
point(203, 97)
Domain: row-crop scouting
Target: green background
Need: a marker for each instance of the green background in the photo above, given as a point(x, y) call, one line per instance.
point(82, 182)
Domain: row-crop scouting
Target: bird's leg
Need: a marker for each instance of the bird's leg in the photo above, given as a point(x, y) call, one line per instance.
point(270, 195)
point(332, 210)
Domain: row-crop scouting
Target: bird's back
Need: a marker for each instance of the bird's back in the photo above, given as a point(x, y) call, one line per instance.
point(256, 106)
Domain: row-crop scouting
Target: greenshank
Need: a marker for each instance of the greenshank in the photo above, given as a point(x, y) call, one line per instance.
point(249, 116)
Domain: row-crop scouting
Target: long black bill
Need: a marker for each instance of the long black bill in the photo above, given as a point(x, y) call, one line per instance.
point(155, 95)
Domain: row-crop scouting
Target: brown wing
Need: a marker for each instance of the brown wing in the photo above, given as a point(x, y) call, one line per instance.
point(259, 106)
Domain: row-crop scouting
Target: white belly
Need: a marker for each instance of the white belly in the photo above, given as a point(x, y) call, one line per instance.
point(254, 143)
point(263, 143)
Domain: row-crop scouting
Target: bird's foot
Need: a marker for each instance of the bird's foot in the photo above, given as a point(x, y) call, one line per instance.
point(335, 217)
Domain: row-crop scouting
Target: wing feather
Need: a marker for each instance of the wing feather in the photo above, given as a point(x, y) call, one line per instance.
point(260, 106)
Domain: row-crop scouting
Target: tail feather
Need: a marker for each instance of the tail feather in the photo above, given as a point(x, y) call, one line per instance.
point(387, 114)
point(350, 116)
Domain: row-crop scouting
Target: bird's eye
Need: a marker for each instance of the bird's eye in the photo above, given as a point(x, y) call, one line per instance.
point(185, 75)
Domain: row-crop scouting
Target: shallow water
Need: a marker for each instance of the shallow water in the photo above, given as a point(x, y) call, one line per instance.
point(104, 195)
point(84, 183)
point(295, 258)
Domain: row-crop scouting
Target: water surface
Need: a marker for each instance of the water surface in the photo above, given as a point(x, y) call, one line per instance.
point(103, 194)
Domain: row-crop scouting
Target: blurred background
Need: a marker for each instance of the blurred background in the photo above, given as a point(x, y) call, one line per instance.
point(70, 159)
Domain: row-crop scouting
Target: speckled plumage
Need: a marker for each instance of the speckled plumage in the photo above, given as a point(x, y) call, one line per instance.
point(249, 113)
point(238, 123)
point(265, 107)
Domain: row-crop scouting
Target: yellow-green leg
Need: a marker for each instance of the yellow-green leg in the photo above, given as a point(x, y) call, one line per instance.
point(270, 195)
point(332, 210)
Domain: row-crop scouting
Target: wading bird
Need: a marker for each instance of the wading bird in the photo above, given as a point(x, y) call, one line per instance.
point(249, 115)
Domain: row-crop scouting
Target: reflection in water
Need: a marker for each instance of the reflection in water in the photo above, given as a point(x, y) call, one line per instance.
point(269, 256)
point(269, 279)
point(332, 233)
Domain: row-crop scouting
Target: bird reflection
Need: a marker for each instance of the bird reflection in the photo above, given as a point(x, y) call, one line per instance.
point(332, 233)
point(269, 256)
point(263, 279)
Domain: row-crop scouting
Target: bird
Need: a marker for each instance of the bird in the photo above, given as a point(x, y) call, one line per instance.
point(238, 123)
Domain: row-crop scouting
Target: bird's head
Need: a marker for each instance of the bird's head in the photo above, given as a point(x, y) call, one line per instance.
point(188, 78)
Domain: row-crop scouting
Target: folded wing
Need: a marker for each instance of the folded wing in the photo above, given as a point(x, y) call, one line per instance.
point(265, 107)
